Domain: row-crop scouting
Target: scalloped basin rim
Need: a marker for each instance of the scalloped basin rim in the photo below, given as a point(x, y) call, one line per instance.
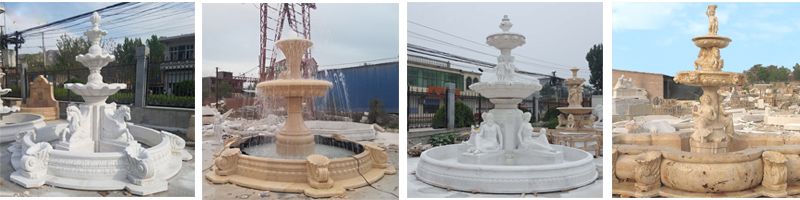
point(566, 164)
point(100, 155)
point(294, 82)
point(744, 155)
point(105, 86)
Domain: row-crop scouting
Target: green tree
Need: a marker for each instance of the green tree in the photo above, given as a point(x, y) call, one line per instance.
point(156, 49)
point(796, 72)
point(771, 73)
point(34, 61)
point(68, 48)
point(126, 52)
point(595, 59)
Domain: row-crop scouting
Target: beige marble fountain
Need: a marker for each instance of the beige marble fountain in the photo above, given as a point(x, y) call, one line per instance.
point(295, 160)
point(575, 117)
point(710, 161)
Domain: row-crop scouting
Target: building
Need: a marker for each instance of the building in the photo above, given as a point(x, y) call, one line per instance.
point(658, 85)
point(426, 89)
point(355, 87)
point(211, 85)
point(178, 64)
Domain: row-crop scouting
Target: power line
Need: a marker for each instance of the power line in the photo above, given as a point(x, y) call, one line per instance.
point(557, 65)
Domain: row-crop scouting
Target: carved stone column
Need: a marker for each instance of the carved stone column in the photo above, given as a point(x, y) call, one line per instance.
point(647, 172)
point(775, 173)
point(318, 174)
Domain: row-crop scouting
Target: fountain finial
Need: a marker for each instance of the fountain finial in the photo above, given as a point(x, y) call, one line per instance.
point(506, 24)
point(95, 21)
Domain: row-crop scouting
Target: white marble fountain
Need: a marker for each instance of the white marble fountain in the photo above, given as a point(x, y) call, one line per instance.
point(12, 124)
point(506, 155)
point(97, 149)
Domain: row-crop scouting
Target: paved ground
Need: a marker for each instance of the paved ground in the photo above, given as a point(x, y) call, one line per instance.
point(182, 185)
point(419, 189)
point(388, 184)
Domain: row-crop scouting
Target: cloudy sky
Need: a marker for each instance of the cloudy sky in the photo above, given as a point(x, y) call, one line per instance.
point(22, 15)
point(342, 33)
point(656, 37)
point(560, 34)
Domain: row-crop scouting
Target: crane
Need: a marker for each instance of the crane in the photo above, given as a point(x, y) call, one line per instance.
point(274, 18)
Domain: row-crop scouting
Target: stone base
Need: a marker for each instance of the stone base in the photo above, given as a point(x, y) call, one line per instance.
point(338, 189)
point(627, 189)
point(708, 147)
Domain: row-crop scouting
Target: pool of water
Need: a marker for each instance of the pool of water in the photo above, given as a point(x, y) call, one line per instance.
point(269, 150)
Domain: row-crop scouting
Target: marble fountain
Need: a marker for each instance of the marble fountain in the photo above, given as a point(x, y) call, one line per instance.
point(505, 155)
point(711, 160)
point(12, 123)
point(97, 149)
point(296, 159)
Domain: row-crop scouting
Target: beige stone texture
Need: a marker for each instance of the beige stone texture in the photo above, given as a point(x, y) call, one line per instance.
point(41, 100)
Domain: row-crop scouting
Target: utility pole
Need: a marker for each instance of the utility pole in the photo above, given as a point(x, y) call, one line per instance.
point(216, 87)
point(44, 56)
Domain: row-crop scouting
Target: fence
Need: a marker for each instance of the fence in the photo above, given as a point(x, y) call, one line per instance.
point(157, 94)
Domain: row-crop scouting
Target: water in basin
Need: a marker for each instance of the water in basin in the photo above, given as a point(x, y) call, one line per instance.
point(269, 150)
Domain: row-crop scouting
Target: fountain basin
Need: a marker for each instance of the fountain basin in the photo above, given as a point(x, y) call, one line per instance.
point(350, 130)
point(439, 167)
point(100, 170)
point(505, 40)
point(745, 171)
point(367, 165)
point(95, 93)
point(576, 110)
point(16, 123)
point(709, 78)
point(505, 90)
point(708, 41)
point(294, 88)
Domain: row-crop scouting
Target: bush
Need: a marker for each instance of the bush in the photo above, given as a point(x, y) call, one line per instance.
point(443, 139)
point(170, 100)
point(463, 116)
point(184, 88)
point(551, 117)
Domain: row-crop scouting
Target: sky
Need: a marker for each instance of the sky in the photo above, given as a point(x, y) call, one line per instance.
point(342, 33)
point(656, 37)
point(23, 15)
point(559, 33)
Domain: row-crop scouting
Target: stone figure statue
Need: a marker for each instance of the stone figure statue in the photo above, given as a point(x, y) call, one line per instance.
point(571, 123)
point(562, 120)
point(713, 26)
point(704, 116)
point(620, 82)
point(575, 96)
point(74, 118)
point(489, 137)
point(528, 139)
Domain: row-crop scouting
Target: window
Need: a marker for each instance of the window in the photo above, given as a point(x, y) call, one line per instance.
point(181, 53)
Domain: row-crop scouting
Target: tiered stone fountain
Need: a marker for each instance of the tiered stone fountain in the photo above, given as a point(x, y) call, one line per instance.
point(505, 155)
point(295, 160)
point(575, 117)
point(12, 124)
point(710, 161)
point(97, 149)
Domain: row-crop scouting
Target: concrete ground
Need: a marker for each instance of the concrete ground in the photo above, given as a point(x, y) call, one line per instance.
point(419, 189)
point(182, 185)
point(388, 184)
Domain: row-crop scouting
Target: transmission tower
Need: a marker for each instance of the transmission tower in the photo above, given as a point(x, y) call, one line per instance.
point(274, 18)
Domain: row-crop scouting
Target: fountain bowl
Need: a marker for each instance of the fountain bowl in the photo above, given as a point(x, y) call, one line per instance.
point(709, 78)
point(709, 41)
point(308, 175)
point(95, 93)
point(294, 88)
point(576, 110)
point(109, 170)
point(440, 167)
point(505, 90)
point(505, 40)
point(15, 124)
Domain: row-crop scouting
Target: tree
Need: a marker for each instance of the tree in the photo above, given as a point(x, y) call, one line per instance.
point(595, 59)
point(34, 61)
point(463, 116)
point(156, 49)
point(772, 73)
point(68, 48)
point(796, 72)
point(126, 52)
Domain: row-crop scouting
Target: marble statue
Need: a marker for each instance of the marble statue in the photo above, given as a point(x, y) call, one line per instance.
point(489, 138)
point(712, 20)
point(575, 97)
point(529, 139)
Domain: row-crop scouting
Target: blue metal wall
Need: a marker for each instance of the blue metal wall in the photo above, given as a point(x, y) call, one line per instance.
point(364, 83)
